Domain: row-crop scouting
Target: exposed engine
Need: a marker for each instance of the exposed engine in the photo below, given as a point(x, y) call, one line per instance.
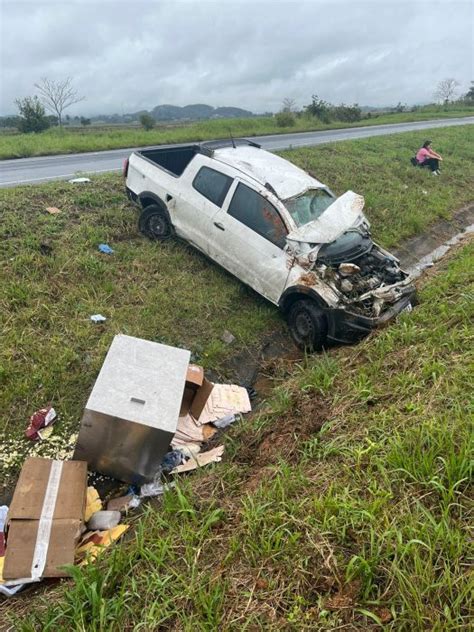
point(370, 271)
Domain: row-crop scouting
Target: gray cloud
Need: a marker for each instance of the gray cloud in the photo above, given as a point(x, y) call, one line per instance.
point(135, 55)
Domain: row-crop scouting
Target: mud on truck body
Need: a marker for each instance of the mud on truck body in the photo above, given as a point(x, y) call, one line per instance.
point(277, 229)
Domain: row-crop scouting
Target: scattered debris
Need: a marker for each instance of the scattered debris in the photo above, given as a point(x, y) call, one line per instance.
point(123, 503)
point(106, 249)
point(44, 519)
point(224, 400)
point(52, 210)
point(94, 542)
point(38, 420)
point(227, 421)
point(52, 503)
point(79, 180)
point(46, 249)
point(155, 488)
point(104, 520)
point(227, 337)
point(201, 459)
point(98, 318)
point(171, 460)
point(93, 503)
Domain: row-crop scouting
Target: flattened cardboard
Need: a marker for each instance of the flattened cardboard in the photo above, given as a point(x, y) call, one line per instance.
point(201, 397)
point(25, 512)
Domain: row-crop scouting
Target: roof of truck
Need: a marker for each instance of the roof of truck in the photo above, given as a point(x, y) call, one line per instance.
point(285, 178)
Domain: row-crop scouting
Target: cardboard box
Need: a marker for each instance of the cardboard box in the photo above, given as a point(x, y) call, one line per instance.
point(45, 519)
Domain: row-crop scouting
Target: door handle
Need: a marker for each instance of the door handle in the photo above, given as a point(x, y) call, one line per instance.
point(219, 225)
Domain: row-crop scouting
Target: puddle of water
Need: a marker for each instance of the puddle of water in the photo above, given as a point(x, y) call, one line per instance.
point(428, 260)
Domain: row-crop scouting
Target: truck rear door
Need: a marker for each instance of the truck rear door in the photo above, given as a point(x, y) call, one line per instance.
point(204, 190)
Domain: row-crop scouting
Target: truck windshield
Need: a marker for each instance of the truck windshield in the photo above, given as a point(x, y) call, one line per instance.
point(309, 206)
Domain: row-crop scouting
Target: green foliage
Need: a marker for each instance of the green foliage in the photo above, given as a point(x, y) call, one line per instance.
point(96, 138)
point(285, 119)
point(32, 115)
point(147, 121)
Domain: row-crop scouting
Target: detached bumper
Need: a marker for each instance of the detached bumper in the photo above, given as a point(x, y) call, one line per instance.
point(347, 327)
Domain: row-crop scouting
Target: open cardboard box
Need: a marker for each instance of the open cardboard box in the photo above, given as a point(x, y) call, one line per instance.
point(45, 519)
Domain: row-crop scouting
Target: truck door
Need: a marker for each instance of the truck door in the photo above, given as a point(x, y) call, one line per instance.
point(248, 239)
point(204, 192)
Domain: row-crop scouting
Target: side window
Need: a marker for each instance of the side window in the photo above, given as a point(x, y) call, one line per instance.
point(212, 184)
point(256, 212)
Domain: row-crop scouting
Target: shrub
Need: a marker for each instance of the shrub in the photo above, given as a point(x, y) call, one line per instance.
point(32, 115)
point(285, 119)
point(147, 121)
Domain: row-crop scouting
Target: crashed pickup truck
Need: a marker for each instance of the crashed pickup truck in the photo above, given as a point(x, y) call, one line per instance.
point(277, 229)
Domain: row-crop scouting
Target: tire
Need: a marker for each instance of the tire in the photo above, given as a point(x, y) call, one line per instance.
point(308, 325)
point(154, 223)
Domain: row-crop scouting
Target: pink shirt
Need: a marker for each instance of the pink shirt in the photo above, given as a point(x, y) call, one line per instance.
point(422, 154)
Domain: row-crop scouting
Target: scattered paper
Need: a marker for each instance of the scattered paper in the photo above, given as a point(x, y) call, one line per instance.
point(94, 542)
point(98, 318)
point(201, 459)
point(189, 432)
point(38, 420)
point(52, 210)
point(93, 503)
point(224, 400)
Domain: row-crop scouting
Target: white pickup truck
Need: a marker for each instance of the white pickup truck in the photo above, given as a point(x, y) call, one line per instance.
point(277, 229)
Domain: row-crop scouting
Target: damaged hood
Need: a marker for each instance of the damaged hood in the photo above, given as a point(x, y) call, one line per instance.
point(343, 214)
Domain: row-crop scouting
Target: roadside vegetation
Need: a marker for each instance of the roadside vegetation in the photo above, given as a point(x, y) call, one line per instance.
point(343, 502)
point(91, 138)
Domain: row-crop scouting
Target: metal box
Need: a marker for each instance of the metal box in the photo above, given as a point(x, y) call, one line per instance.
point(132, 413)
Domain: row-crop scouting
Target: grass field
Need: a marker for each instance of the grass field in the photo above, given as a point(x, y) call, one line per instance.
point(362, 522)
point(56, 141)
point(166, 292)
point(345, 505)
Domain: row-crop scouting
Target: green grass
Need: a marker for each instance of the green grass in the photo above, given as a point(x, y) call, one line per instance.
point(370, 512)
point(361, 524)
point(56, 141)
point(165, 292)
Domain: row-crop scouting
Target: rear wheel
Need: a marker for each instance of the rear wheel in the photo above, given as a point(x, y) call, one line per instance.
point(154, 223)
point(308, 325)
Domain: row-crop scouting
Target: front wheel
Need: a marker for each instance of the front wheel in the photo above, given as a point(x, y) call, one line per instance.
point(154, 223)
point(308, 325)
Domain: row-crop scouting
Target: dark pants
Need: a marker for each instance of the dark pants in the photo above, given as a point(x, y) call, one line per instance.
point(432, 163)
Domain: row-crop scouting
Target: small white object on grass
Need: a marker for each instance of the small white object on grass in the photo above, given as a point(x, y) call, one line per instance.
point(98, 318)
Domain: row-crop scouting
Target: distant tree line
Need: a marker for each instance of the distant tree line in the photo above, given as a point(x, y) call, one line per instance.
point(39, 112)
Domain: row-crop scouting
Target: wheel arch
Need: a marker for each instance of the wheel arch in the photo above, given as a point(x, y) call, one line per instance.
point(296, 293)
point(148, 198)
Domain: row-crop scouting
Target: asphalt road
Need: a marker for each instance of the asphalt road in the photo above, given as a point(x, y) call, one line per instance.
point(44, 168)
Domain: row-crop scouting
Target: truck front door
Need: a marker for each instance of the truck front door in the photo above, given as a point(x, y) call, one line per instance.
point(248, 237)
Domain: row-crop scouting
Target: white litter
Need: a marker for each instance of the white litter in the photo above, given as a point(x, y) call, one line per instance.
point(79, 180)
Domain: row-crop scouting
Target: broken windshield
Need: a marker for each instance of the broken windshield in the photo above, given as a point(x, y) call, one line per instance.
point(309, 206)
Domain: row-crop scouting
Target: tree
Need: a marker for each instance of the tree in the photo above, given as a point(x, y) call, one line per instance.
point(32, 115)
point(446, 89)
point(288, 105)
point(57, 95)
point(469, 96)
point(147, 121)
point(319, 108)
point(85, 121)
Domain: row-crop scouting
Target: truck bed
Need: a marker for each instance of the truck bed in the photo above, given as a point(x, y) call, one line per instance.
point(171, 159)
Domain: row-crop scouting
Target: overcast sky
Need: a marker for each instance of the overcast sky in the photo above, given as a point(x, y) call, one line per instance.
point(130, 55)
